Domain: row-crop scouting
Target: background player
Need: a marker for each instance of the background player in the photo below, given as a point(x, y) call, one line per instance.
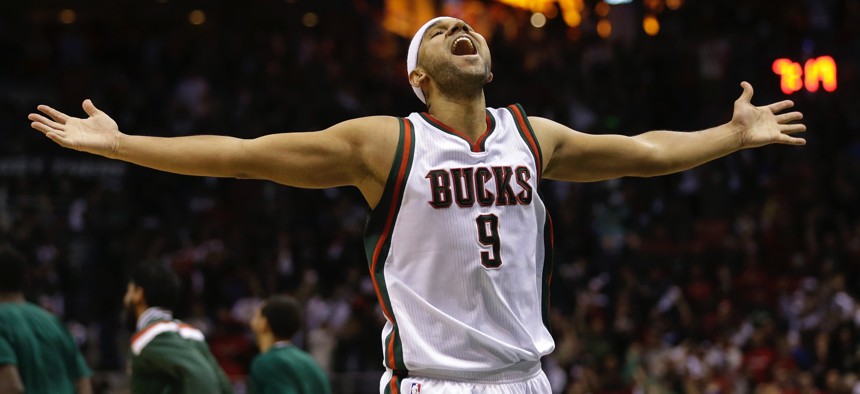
point(37, 353)
point(281, 367)
point(167, 355)
point(452, 64)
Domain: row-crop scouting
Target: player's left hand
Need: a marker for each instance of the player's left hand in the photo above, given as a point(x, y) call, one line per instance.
point(758, 126)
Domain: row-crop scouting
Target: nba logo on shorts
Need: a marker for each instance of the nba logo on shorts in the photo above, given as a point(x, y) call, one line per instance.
point(416, 388)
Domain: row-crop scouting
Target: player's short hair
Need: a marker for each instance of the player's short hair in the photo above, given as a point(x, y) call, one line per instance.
point(284, 315)
point(159, 283)
point(13, 270)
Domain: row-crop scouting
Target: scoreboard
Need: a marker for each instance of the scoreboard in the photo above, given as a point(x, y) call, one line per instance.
point(815, 73)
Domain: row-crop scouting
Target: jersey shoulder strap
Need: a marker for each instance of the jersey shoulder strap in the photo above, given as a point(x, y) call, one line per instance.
point(146, 335)
point(527, 133)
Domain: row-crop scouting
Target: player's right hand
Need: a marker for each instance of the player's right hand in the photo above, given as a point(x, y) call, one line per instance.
point(97, 134)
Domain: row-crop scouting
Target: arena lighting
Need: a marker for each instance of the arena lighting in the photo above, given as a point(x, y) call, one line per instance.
point(538, 20)
point(196, 17)
point(67, 16)
point(310, 19)
point(651, 25)
point(601, 9)
point(604, 28)
point(673, 4)
point(616, 2)
point(820, 70)
point(570, 9)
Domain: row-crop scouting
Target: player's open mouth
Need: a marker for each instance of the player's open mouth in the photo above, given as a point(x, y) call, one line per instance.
point(463, 46)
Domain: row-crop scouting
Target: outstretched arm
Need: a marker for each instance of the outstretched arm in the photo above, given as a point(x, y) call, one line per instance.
point(575, 156)
point(350, 153)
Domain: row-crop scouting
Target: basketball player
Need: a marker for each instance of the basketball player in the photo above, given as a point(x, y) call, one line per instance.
point(281, 367)
point(168, 356)
point(37, 353)
point(458, 241)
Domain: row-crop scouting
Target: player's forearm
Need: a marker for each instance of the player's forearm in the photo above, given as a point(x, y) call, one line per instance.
point(10, 380)
point(678, 151)
point(83, 386)
point(11, 388)
point(200, 155)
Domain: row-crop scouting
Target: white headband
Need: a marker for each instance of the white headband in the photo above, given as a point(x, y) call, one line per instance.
point(412, 56)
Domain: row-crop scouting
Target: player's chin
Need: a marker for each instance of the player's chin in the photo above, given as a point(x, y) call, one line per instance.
point(473, 66)
point(469, 60)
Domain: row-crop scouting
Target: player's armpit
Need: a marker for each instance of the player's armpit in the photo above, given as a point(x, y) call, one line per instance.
point(10, 380)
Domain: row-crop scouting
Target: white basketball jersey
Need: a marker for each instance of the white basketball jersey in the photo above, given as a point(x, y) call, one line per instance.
point(460, 251)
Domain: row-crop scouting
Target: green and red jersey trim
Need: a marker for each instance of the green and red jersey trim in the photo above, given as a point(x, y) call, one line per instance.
point(528, 135)
point(478, 145)
point(377, 238)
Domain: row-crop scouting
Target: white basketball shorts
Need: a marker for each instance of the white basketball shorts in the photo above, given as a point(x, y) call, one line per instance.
point(536, 384)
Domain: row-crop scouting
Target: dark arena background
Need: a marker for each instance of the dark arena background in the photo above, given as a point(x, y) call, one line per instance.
point(740, 276)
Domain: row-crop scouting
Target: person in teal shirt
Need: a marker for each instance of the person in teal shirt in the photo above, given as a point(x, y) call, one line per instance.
point(37, 353)
point(168, 355)
point(281, 367)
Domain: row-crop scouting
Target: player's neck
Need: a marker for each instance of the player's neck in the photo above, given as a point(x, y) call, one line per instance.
point(139, 309)
point(466, 115)
point(12, 297)
point(265, 341)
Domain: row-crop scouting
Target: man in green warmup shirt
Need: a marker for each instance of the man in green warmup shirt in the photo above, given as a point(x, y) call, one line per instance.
point(37, 353)
point(168, 356)
point(281, 367)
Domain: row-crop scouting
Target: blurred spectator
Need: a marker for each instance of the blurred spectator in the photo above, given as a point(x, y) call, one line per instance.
point(740, 276)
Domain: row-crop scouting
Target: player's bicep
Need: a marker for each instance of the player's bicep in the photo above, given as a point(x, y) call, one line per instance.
point(580, 157)
point(336, 156)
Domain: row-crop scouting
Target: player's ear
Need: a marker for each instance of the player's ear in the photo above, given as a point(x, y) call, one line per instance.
point(490, 78)
point(417, 76)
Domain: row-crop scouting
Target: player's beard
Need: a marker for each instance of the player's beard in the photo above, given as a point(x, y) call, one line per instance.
point(129, 317)
point(454, 82)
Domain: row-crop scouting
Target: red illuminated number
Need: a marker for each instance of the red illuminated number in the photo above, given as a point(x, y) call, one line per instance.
point(821, 69)
point(789, 72)
point(794, 78)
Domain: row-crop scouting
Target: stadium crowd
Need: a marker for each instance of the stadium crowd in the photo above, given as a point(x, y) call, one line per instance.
point(739, 276)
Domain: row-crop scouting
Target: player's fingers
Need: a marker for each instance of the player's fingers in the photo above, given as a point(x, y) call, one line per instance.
point(788, 140)
point(58, 138)
point(780, 106)
point(747, 94)
point(90, 108)
point(789, 117)
point(792, 128)
point(54, 114)
point(42, 119)
point(44, 128)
